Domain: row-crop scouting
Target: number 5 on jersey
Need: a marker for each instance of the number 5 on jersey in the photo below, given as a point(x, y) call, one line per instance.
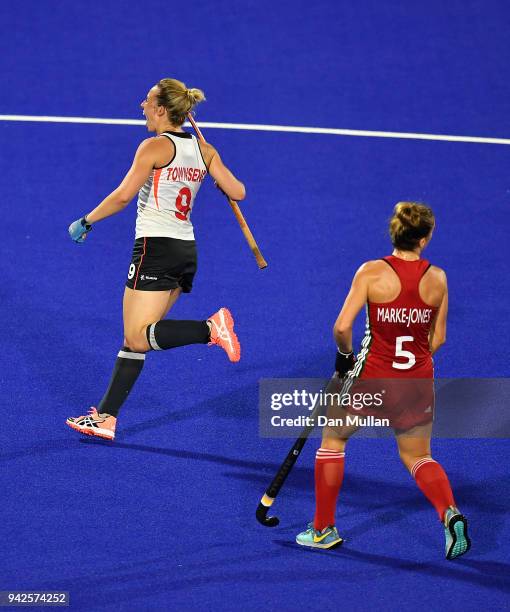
point(183, 203)
point(400, 352)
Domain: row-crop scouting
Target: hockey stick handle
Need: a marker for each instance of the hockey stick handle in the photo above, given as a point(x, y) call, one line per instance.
point(261, 262)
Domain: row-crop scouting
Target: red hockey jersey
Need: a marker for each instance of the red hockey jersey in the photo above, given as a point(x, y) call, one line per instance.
point(396, 342)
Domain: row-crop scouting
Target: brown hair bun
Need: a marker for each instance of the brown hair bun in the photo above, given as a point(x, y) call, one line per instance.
point(410, 223)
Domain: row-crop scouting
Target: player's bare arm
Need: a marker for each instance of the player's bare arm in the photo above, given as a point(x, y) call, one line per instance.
point(223, 177)
point(149, 154)
point(437, 336)
point(354, 302)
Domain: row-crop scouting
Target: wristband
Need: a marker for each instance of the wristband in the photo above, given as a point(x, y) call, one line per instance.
point(344, 354)
point(344, 362)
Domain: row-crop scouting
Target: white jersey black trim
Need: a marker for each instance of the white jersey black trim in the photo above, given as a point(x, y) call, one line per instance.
point(166, 200)
point(173, 156)
point(178, 134)
point(168, 135)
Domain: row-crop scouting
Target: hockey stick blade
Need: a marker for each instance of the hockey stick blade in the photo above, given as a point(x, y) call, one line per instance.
point(263, 519)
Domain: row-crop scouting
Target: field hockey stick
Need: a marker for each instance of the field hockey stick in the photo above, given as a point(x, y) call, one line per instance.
point(283, 471)
point(261, 262)
point(285, 468)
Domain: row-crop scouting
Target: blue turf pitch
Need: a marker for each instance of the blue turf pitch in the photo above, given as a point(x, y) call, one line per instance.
point(163, 519)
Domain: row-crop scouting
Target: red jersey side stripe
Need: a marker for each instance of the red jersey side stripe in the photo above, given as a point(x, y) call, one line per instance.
point(157, 174)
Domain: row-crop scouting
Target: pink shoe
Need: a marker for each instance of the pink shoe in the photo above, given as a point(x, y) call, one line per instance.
point(94, 424)
point(223, 334)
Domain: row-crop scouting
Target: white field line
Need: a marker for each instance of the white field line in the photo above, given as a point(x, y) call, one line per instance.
point(268, 128)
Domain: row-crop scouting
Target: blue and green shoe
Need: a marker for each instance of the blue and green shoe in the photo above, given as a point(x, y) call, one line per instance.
point(455, 531)
point(327, 538)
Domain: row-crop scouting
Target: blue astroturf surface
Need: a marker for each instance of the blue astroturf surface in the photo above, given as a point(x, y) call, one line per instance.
point(163, 519)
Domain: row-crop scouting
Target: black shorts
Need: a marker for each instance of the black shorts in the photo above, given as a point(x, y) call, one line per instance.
point(159, 264)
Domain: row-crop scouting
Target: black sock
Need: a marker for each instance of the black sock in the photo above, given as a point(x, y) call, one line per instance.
point(170, 334)
point(125, 373)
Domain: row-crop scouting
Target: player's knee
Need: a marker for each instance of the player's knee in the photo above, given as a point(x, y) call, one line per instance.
point(136, 343)
point(332, 439)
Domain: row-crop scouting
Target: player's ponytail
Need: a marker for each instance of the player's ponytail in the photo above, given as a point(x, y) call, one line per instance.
point(410, 223)
point(177, 99)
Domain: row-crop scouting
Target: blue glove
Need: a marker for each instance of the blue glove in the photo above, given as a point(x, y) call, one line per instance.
point(79, 229)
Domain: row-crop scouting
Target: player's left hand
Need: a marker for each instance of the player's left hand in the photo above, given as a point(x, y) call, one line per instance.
point(79, 229)
point(344, 362)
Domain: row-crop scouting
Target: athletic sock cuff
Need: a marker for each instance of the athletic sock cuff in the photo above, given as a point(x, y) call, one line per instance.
point(151, 337)
point(326, 453)
point(126, 353)
point(419, 464)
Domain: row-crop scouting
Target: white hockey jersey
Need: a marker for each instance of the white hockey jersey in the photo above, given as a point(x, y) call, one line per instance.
point(166, 200)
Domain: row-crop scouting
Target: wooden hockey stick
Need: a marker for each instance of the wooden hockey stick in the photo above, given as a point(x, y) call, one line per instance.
point(261, 262)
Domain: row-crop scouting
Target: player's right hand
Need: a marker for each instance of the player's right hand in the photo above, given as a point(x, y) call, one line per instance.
point(343, 363)
point(79, 229)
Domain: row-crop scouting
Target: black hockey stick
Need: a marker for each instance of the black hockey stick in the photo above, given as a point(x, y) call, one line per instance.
point(285, 468)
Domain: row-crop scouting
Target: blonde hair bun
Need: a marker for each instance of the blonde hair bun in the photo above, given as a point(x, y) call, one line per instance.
point(196, 95)
point(178, 99)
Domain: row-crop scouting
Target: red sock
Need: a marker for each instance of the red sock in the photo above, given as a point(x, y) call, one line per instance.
point(434, 484)
point(329, 474)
